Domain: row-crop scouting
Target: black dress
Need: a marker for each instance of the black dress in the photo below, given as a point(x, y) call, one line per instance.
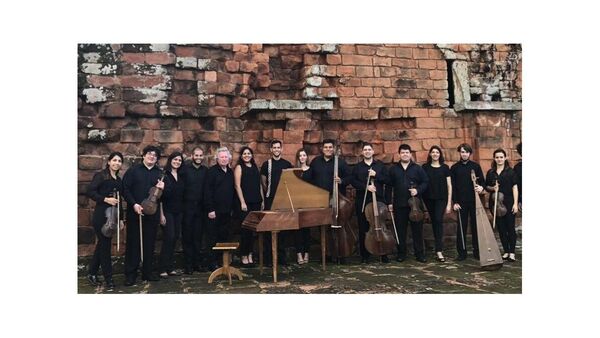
point(250, 184)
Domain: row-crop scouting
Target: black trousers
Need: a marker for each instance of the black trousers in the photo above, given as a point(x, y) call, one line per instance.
point(468, 217)
point(507, 232)
point(436, 213)
point(247, 236)
point(171, 231)
point(102, 253)
point(402, 221)
point(132, 247)
point(193, 230)
point(302, 240)
point(217, 231)
point(363, 228)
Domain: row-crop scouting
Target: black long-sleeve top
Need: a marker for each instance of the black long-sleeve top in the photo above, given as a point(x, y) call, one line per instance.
point(277, 167)
point(519, 177)
point(103, 185)
point(137, 182)
point(438, 182)
point(358, 179)
point(172, 196)
point(462, 186)
point(321, 173)
point(507, 181)
point(193, 180)
point(219, 190)
point(400, 180)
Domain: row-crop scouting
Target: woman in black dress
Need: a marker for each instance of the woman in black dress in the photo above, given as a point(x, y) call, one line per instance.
point(504, 174)
point(302, 236)
point(438, 196)
point(247, 186)
point(171, 213)
point(103, 189)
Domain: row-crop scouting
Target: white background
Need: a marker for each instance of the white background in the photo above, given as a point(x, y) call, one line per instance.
point(38, 135)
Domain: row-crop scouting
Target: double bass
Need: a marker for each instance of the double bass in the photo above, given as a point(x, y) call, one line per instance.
point(342, 238)
point(379, 240)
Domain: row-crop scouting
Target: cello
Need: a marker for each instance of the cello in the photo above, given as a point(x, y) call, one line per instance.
point(379, 240)
point(342, 238)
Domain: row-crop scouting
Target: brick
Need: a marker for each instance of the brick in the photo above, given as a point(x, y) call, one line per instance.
point(298, 124)
point(293, 136)
point(436, 112)
point(133, 57)
point(420, 53)
point(140, 81)
point(102, 81)
point(171, 111)
point(231, 136)
point(404, 52)
point(437, 94)
point(142, 109)
point(240, 48)
point(424, 84)
point(370, 114)
point(345, 70)
point(347, 91)
point(430, 122)
point(131, 135)
point(394, 124)
point(168, 136)
point(352, 114)
point(438, 75)
point(366, 50)
point(453, 122)
point(418, 112)
point(382, 61)
point(357, 60)
point(114, 109)
point(380, 102)
point(387, 71)
point(189, 124)
point(146, 123)
point(353, 103)
point(183, 99)
point(184, 75)
point(422, 133)
point(311, 59)
point(232, 66)
point(442, 84)
point(386, 51)
point(210, 76)
point(364, 91)
point(208, 136)
point(333, 59)
point(313, 136)
point(451, 143)
point(186, 62)
point(404, 103)
point(357, 135)
point(248, 67)
point(160, 58)
point(404, 63)
point(364, 71)
point(390, 113)
point(376, 82)
point(427, 64)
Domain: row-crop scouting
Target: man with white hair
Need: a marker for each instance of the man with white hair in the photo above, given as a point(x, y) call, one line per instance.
point(218, 202)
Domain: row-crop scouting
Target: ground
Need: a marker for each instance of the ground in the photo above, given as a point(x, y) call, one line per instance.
point(409, 276)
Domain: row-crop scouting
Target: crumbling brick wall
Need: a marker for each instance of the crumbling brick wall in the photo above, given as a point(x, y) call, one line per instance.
point(180, 96)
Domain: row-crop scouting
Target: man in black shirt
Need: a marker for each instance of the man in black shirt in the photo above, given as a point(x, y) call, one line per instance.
point(377, 173)
point(463, 194)
point(519, 175)
point(137, 181)
point(406, 179)
point(194, 215)
point(218, 202)
point(321, 174)
point(270, 173)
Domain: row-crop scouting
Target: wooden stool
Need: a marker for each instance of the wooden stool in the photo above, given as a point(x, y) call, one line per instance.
point(225, 269)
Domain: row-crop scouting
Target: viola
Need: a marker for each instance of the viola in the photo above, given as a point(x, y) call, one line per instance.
point(416, 213)
point(379, 240)
point(112, 218)
point(150, 203)
point(498, 202)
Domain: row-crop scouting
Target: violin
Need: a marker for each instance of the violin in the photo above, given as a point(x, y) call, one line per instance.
point(150, 203)
point(498, 202)
point(342, 238)
point(112, 217)
point(416, 213)
point(379, 240)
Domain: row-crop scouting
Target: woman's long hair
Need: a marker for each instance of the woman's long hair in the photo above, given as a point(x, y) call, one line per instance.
point(107, 167)
point(168, 166)
point(429, 159)
point(298, 165)
point(240, 161)
point(494, 165)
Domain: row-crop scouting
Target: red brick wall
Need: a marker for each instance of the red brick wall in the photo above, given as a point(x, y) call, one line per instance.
point(179, 96)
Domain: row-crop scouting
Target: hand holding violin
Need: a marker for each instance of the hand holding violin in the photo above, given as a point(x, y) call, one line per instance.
point(413, 192)
point(160, 184)
point(372, 173)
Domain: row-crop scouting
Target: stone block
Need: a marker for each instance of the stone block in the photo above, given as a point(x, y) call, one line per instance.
point(141, 109)
point(94, 95)
point(102, 135)
point(318, 105)
point(293, 136)
point(430, 122)
point(172, 111)
point(131, 135)
point(113, 109)
point(160, 58)
point(231, 136)
point(90, 162)
point(235, 124)
point(315, 81)
point(186, 62)
point(168, 136)
point(98, 68)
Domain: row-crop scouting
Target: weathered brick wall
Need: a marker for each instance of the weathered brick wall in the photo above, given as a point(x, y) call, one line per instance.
point(179, 96)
